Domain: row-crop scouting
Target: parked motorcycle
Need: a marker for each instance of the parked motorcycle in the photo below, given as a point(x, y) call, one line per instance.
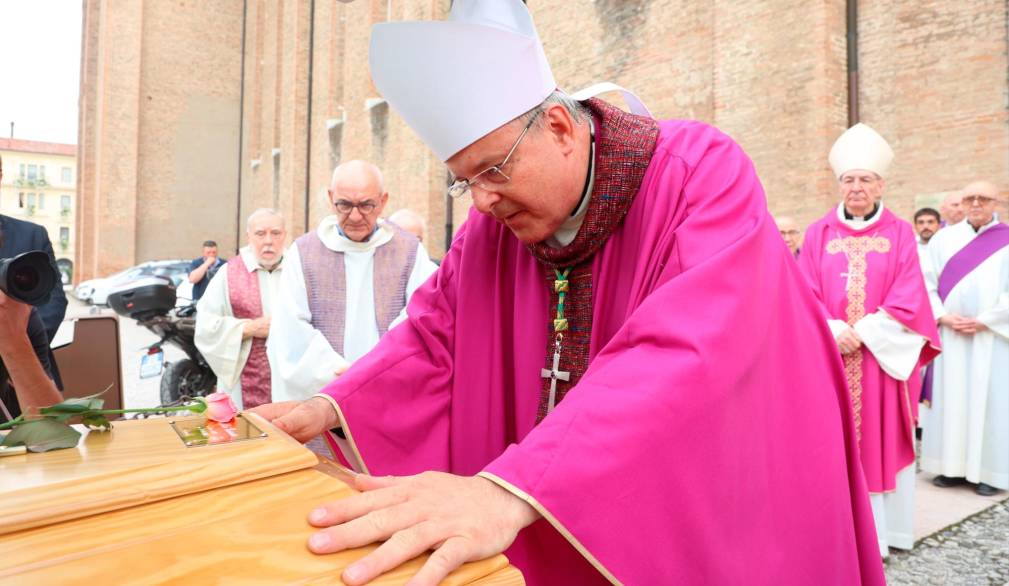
point(151, 301)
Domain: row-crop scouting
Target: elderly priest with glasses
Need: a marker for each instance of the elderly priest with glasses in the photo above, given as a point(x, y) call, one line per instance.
point(617, 374)
point(344, 285)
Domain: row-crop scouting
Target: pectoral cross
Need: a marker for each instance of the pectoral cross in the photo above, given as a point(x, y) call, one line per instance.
point(554, 374)
point(561, 286)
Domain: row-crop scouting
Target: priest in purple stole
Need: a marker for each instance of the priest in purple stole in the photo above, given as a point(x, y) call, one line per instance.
point(346, 283)
point(862, 263)
point(966, 435)
point(233, 316)
point(618, 374)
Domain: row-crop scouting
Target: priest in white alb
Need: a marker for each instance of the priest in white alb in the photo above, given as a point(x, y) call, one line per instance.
point(966, 438)
point(345, 284)
point(862, 263)
point(233, 316)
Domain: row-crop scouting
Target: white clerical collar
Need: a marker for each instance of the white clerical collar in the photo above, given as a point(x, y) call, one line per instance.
point(860, 223)
point(994, 220)
point(569, 229)
point(332, 237)
point(252, 263)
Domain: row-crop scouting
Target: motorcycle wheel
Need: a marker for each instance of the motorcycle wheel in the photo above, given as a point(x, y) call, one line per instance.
point(184, 378)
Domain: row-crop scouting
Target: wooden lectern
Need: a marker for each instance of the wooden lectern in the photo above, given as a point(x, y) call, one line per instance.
point(154, 501)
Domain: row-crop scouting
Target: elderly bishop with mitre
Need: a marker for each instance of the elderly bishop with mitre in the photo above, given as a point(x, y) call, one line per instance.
point(862, 262)
point(572, 385)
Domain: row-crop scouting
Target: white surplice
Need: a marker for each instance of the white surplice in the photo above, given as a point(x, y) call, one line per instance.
point(299, 353)
point(967, 432)
point(219, 332)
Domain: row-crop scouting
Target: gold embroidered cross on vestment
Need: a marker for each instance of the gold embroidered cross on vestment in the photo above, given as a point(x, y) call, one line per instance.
point(856, 248)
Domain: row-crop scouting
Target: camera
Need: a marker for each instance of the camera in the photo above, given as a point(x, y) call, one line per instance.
point(28, 277)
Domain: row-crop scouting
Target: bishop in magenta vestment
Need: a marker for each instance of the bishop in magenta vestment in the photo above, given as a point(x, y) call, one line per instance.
point(705, 435)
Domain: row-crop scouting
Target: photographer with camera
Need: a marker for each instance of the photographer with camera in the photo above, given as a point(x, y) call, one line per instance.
point(17, 236)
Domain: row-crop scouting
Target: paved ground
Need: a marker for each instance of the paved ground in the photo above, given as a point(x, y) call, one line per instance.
point(973, 552)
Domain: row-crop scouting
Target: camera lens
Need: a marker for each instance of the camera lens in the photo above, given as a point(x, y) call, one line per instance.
point(25, 278)
point(28, 277)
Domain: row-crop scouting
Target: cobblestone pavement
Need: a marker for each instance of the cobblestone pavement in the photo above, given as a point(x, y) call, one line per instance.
point(973, 552)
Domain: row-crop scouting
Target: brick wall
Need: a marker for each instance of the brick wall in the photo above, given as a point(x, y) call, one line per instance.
point(159, 130)
point(934, 84)
point(772, 75)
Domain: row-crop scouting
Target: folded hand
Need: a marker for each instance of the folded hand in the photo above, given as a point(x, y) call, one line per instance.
point(849, 341)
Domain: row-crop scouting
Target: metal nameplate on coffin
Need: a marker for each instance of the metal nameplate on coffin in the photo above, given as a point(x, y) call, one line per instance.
point(198, 432)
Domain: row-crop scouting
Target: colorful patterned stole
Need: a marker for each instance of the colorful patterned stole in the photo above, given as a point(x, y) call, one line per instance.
point(246, 303)
point(624, 147)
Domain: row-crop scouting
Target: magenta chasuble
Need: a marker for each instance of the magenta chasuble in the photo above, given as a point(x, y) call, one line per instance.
point(710, 439)
point(855, 273)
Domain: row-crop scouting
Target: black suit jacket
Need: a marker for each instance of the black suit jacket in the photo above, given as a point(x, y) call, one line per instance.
point(17, 236)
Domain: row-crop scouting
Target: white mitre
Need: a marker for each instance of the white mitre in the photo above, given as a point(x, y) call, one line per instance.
point(455, 81)
point(860, 148)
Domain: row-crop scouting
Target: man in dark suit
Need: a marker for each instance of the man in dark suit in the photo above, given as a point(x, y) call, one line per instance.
point(17, 236)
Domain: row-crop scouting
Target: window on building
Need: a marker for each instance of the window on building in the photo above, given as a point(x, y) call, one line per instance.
point(64, 234)
point(21, 199)
point(65, 202)
point(335, 143)
point(379, 129)
point(67, 176)
point(276, 178)
point(31, 200)
point(42, 200)
point(42, 172)
point(22, 172)
point(33, 172)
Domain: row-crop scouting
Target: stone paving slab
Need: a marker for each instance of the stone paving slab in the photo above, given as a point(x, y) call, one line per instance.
point(974, 552)
point(937, 508)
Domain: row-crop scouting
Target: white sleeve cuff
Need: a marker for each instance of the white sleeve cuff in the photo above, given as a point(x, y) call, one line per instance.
point(895, 348)
point(837, 327)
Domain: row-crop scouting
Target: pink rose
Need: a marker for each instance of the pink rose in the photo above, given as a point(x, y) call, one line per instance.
point(219, 407)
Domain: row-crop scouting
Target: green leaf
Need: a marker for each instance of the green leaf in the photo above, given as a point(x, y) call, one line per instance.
point(74, 406)
point(42, 435)
point(96, 421)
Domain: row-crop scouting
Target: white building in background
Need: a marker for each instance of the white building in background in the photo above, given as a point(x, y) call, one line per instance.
point(40, 185)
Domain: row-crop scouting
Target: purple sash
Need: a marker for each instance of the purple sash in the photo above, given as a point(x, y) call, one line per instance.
point(969, 257)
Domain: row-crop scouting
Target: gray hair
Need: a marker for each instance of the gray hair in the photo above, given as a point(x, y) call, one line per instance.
point(578, 111)
point(262, 212)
